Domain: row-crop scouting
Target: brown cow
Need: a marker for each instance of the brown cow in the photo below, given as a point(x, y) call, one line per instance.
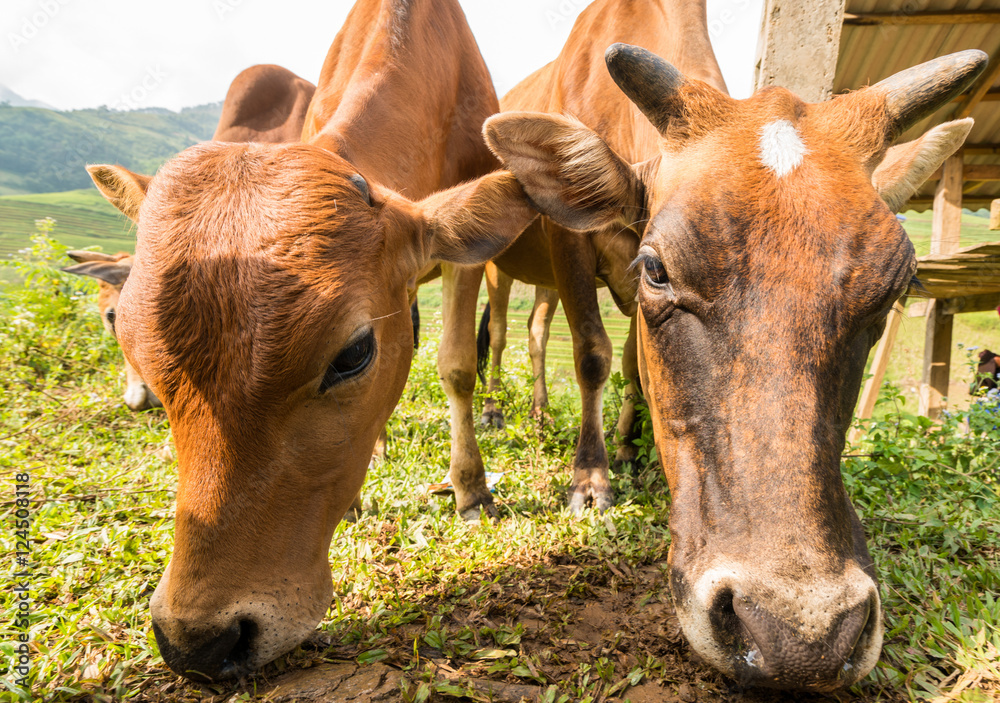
point(265, 103)
point(111, 271)
point(767, 265)
point(575, 263)
point(267, 306)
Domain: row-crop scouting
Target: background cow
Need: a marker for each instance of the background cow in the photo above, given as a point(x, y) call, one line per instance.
point(111, 271)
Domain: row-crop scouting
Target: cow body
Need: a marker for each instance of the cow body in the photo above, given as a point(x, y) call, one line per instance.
point(576, 262)
point(268, 308)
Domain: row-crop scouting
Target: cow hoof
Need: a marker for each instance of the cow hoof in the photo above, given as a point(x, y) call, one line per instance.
point(475, 513)
point(603, 501)
point(583, 497)
point(492, 418)
point(578, 499)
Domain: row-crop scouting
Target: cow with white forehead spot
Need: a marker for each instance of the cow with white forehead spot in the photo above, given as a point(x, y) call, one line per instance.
point(769, 259)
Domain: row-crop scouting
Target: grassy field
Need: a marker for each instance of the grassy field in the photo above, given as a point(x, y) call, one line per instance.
point(539, 604)
point(84, 218)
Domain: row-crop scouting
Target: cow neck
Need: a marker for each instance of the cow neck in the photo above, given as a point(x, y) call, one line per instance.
point(371, 111)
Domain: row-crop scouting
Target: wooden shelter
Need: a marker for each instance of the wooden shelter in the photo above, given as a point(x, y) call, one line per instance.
point(820, 48)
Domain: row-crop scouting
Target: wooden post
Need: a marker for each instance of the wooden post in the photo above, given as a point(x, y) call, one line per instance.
point(995, 214)
point(798, 46)
point(945, 232)
point(882, 352)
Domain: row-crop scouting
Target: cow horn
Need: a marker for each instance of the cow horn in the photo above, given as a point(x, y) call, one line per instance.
point(913, 94)
point(648, 81)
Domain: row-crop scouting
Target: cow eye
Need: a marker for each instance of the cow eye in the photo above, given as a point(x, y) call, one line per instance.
point(110, 317)
point(362, 185)
point(352, 360)
point(655, 273)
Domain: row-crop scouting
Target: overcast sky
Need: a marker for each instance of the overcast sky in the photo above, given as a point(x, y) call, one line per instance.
point(134, 53)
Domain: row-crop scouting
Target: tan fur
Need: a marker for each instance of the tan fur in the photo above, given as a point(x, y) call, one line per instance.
point(257, 267)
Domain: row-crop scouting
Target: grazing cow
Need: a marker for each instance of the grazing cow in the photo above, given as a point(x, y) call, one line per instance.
point(267, 306)
point(769, 259)
point(111, 270)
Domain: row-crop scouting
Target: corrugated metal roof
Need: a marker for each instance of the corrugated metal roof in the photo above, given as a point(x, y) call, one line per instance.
point(870, 53)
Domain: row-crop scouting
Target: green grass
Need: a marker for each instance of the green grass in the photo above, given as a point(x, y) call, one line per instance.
point(568, 609)
point(975, 229)
point(84, 218)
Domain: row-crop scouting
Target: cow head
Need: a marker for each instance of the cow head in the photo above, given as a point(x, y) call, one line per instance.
point(267, 307)
point(769, 260)
point(111, 271)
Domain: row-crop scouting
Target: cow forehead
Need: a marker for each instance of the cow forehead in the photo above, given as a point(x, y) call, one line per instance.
point(250, 258)
point(777, 197)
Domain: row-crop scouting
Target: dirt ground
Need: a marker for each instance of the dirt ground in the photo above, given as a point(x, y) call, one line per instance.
point(572, 616)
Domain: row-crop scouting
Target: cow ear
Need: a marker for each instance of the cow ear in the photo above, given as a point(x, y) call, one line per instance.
point(112, 272)
point(122, 188)
point(568, 171)
point(82, 255)
point(474, 222)
point(907, 166)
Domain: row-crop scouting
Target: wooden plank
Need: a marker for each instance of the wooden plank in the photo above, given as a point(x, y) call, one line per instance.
point(945, 230)
point(974, 172)
point(937, 362)
point(798, 46)
point(990, 96)
point(973, 203)
point(982, 149)
point(995, 214)
point(869, 19)
point(947, 218)
point(970, 303)
point(882, 352)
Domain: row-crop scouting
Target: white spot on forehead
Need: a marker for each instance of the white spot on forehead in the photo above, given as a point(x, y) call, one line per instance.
point(781, 147)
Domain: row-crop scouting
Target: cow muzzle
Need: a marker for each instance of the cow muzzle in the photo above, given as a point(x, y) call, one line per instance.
point(232, 638)
point(815, 634)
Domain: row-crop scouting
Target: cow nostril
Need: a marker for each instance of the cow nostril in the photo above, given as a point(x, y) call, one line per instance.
point(210, 656)
point(240, 654)
point(728, 626)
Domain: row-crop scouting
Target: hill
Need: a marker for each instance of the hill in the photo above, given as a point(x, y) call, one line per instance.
point(44, 151)
point(9, 96)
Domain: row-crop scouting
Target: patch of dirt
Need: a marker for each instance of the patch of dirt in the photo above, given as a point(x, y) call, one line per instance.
point(572, 625)
point(337, 682)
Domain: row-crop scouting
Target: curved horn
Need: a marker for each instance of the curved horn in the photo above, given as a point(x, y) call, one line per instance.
point(916, 92)
point(648, 81)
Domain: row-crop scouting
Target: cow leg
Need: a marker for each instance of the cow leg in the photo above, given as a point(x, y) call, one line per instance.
point(539, 324)
point(574, 270)
point(457, 368)
point(628, 429)
point(498, 288)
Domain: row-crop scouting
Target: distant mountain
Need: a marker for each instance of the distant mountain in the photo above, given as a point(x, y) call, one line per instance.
point(43, 151)
point(14, 100)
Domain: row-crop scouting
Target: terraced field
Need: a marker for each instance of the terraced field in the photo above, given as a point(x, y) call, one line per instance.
point(83, 219)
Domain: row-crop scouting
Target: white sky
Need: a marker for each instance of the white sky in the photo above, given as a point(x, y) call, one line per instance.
point(177, 53)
